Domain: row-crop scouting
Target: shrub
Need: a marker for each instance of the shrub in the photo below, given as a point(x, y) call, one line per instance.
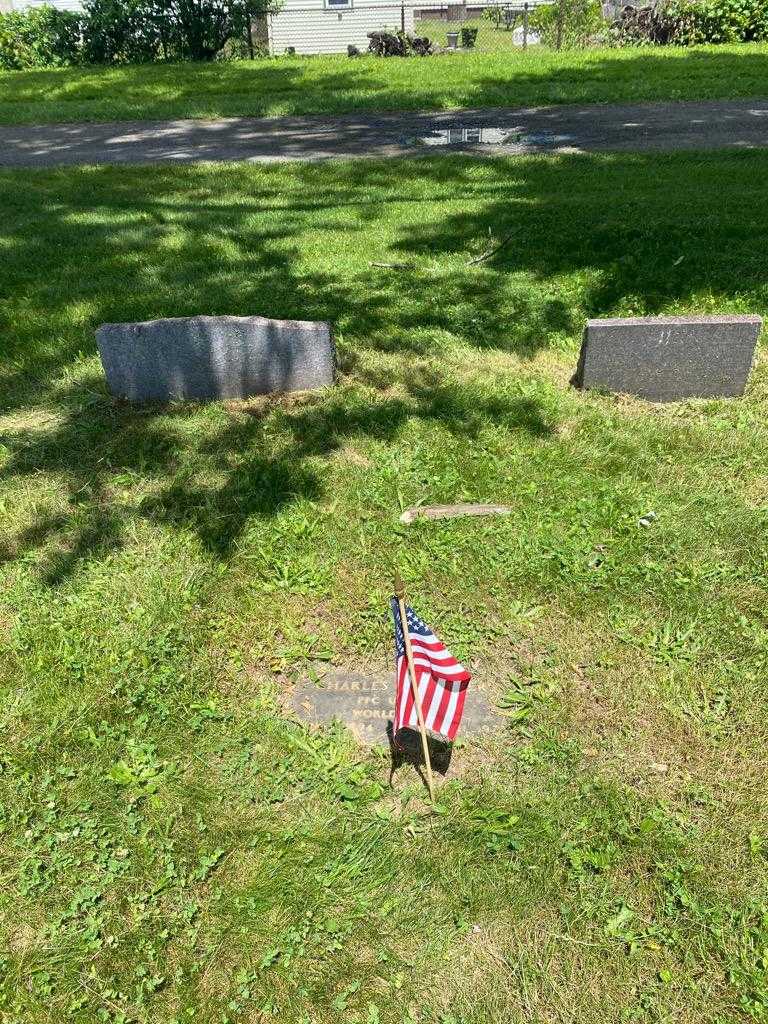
point(582, 22)
point(119, 31)
point(719, 21)
point(694, 22)
point(468, 38)
point(40, 37)
point(398, 44)
point(130, 31)
point(637, 26)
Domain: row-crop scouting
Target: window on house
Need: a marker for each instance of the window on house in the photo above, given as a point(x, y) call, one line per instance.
point(335, 5)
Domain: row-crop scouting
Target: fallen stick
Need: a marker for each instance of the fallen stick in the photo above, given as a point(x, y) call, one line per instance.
point(452, 511)
point(490, 252)
point(393, 266)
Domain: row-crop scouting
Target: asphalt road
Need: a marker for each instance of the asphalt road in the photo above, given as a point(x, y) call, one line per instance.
point(643, 127)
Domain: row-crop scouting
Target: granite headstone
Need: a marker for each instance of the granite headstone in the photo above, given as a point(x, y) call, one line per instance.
point(667, 358)
point(214, 357)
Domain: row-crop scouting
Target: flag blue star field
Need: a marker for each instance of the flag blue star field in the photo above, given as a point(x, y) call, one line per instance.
point(442, 681)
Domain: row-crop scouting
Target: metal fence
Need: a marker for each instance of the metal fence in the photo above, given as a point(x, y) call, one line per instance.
point(336, 25)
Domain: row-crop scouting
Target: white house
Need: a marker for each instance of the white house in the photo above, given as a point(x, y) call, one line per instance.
point(330, 26)
point(23, 5)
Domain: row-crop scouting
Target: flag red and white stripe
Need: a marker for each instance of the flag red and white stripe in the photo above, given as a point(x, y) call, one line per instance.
point(442, 680)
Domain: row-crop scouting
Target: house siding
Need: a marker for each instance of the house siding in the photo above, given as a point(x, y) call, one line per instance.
point(24, 5)
point(317, 29)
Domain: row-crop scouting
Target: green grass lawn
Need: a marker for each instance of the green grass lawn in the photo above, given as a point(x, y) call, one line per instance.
point(338, 84)
point(173, 848)
point(489, 38)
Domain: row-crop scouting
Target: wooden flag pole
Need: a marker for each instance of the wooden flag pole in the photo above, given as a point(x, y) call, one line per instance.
point(400, 595)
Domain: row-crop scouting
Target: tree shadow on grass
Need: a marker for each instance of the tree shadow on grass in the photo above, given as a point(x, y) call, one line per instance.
point(589, 236)
point(232, 473)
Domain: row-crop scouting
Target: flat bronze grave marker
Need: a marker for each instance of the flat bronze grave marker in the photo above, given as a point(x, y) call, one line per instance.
point(365, 703)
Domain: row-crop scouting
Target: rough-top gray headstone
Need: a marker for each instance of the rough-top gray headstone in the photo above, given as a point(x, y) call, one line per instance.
point(364, 703)
point(667, 358)
point(212, 357)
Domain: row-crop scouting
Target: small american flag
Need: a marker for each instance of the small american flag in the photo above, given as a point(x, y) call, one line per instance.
point(442, 680)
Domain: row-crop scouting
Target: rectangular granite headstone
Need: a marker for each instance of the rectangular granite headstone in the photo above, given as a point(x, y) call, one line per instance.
point(213, 357)
point(365, 704)
point(667, 358)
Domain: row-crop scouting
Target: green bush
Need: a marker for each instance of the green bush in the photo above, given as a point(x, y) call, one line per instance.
point(582, 22)
point(468, 38)
point(40, 37)
point(130, 31)
point(122, 31)
point(694, 22)
point(719, 21)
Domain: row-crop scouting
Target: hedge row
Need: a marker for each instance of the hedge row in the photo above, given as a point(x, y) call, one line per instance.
point(40, 37)
point(694, 22)
point(127, 31)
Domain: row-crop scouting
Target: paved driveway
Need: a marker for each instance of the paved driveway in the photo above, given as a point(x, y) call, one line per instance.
point(599, 128)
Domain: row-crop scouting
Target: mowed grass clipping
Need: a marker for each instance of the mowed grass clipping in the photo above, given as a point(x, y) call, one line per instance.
point(175, 848)
point(339, 84)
